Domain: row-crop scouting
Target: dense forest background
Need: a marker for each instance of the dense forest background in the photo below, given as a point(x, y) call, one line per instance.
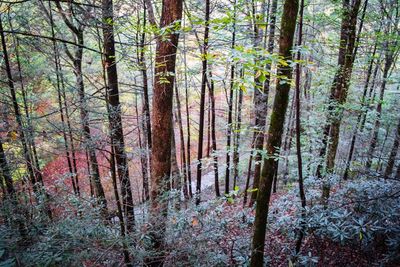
point(199, 133)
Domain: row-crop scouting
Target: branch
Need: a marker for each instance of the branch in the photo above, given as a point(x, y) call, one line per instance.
point(53, 39)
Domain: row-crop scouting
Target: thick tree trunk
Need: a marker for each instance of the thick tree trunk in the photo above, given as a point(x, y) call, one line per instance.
point(162, 123)
point(275, 131)
point(117, 134)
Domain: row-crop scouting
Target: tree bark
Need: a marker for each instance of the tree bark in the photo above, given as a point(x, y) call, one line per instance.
point(202, 101)
point(340, 85)
point(360, 115)
point(230, 108)
point(77, 32)
point(298, 130)
point(393, 152)
point(182, 144)
point(275, 131)
point(261, 106)
point(236, 140)
point(389, 59)
point(117, 134)
point(213, 136)
point(162, 123)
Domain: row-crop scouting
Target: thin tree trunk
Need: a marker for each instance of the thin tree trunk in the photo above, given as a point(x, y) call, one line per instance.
point(33, 170)
point(189, 167)
point(393, 152)
point(27, 155)
point(72, 171)
point(6, 173)
point(175, 172)
point(202, 102)
point(146, 105)
point(275, 131)
point(389, 59)
point(213, 136)
point(182, 144)
point(237, 138)
point(117, 134)
point(230, 107)
point(360, 115)
point(298, 130)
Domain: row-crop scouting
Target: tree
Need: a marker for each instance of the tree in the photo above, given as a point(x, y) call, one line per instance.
point(288, 25)
point(393, 152)
point(117, 134)
point(261, 103)
point(202, 100)
point(77, 58)
point(230, 107)
point(162, 120)
point(340, 85)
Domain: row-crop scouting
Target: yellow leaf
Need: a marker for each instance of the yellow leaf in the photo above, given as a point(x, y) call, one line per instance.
point(195, 222)
point(13, 135)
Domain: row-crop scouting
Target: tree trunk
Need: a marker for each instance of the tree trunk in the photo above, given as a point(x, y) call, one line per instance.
point(77, 32)
point(230, 108)
point(360, 115)
point(146, 105)
point(72, 171)
point(298, 130)
point(393, 152)
point(275, 131)
point(340, 85)
point(339, 88)
point(202, 102)
point(162, 123)
point(236, 140)
point(389, 59)
point(189, 167)
point(117, 134)
point(182, 144)
point(261, 106)
point(5, 171)
point(213, 136)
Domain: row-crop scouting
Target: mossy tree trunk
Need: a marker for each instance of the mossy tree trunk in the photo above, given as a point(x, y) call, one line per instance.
point(275, 131)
